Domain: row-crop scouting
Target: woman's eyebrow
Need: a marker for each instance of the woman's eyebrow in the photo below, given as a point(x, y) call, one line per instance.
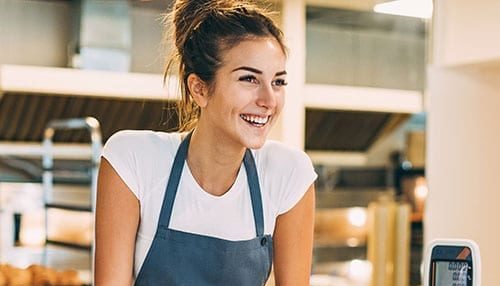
point(254, 70)
point(250, 69)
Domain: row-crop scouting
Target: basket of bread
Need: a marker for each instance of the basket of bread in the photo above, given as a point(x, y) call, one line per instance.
point(37, 275)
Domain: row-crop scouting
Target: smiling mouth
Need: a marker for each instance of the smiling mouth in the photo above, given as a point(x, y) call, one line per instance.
point(254, 120)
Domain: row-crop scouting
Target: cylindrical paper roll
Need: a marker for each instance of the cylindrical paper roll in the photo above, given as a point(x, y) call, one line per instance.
point(381, 221)
point(402, 246)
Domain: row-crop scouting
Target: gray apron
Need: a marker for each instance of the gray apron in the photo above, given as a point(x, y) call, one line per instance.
point(181, 258)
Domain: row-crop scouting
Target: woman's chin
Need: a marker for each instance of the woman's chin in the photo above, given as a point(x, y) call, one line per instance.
point(255, 143)
point(255, 137)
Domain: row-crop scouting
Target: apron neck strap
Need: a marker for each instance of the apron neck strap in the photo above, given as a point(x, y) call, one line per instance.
point(255, 194)
point(175, 176)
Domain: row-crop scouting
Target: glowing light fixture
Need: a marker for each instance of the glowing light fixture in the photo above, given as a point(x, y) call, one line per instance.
point(357, 217)
point(410, 8)
point(360, 271)
point(352, 242)
point(421, 192)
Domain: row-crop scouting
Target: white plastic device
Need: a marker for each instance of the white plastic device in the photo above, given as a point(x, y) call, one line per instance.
point(452, 262)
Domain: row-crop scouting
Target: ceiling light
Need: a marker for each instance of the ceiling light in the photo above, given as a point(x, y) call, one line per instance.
point(409, 8)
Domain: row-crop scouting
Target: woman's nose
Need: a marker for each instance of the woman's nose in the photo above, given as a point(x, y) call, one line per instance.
point(267, 97)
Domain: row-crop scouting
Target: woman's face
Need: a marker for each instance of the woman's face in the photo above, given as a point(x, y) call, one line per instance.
point(248, 93)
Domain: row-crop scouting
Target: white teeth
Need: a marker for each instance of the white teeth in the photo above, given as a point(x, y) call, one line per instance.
point(255, 119)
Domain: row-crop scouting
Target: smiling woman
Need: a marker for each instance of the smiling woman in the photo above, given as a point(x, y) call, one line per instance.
point(217, 203)
point(247, 94)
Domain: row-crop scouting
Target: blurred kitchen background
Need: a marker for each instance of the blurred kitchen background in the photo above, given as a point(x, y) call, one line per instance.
point(357, 103)
point(364, 149)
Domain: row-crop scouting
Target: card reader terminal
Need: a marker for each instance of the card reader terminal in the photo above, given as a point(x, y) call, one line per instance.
point(452, 262)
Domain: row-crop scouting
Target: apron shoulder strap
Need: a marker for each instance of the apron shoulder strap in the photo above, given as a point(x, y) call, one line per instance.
point(173, 182)
point(255, 194)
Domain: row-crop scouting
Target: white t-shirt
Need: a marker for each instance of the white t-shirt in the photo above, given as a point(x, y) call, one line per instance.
point(143, 160)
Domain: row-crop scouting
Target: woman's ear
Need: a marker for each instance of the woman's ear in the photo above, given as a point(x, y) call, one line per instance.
point(198, 89)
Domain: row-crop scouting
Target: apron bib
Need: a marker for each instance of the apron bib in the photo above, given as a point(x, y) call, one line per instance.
point(179, 258)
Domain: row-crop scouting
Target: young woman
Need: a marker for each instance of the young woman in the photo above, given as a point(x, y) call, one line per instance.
point(218, 204)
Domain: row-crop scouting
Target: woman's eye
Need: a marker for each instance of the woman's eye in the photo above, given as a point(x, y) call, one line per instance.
point(248, 78)
point(280, 82)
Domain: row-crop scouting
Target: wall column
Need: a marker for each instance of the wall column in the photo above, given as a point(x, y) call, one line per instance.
point(294, 26)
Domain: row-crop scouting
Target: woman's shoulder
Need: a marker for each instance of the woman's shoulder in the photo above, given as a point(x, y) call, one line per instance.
point(142, 141)
point(143, 135)
point(140, 156)
point(286, 174)
point(277, 153)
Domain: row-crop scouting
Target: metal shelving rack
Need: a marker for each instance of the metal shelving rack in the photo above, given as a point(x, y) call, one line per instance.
point(92, 126)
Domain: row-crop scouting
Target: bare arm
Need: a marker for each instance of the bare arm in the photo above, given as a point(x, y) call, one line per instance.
point(293, 240)
point(117, 219)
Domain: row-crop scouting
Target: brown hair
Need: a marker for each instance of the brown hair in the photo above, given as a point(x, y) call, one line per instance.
point(202, 30)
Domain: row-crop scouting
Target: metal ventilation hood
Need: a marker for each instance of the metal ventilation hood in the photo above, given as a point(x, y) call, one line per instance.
point(23, 116)
point(101, 35)
point(348, 131)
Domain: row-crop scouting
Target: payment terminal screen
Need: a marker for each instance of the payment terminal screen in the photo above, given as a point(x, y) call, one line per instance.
point(450, 273)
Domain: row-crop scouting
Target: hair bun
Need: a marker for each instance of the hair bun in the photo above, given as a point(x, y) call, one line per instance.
point(188, 15)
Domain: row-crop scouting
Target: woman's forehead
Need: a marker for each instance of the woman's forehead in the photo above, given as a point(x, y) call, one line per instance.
point(263, 53)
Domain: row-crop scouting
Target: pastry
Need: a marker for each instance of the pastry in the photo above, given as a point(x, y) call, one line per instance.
point(68, 278)
point(37, 275)
point(3, 279)
point(43, 276)
point(16, 276)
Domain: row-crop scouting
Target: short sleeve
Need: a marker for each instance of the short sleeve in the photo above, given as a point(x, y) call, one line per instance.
point(286, 174)
point(300, 177)
point(119, 151)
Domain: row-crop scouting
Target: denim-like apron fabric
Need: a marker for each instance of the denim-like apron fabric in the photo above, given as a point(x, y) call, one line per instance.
point(180, 258)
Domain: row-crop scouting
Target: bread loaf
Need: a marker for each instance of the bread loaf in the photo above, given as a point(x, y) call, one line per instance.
point(37, 275)
point(42, 276)
point(3, 279)
point(15, 276)
point(68, 278)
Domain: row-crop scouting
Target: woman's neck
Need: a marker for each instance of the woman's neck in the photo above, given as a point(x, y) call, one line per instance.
point(214, 164)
